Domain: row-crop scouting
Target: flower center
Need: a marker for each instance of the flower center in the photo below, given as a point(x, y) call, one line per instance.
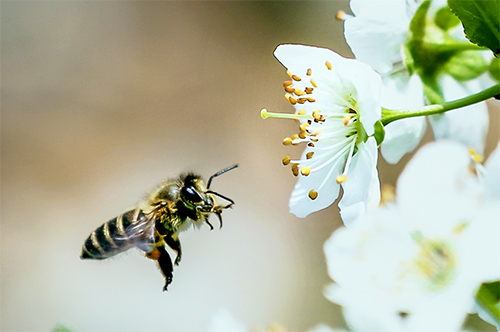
point(435, 261)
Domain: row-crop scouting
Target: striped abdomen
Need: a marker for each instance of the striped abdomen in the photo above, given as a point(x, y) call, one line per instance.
point(117, 235)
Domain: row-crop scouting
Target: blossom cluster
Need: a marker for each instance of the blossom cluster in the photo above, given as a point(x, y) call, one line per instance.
point(417, 262)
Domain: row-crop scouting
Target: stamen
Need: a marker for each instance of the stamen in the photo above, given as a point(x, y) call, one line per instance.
point(309, 155)
point(313, 82)
point(342, 16)
point(341, 178)
point(309, 90)
point(295, 169)
point(289, 89)
point(296, 78)
point(477, 158)
point(313, 194)
point(347, 118)
point(289, 74)
point(309, 71)
point(286, 160)
point(328, 65)
point(287, 141)
point(306, 170)
point(287, 83)
point(290, 99)
point(299, 92)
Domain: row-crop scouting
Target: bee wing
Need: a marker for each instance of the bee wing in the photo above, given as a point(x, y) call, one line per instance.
point(137, 228)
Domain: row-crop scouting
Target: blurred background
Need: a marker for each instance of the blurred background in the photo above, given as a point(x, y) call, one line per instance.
point(100, 102)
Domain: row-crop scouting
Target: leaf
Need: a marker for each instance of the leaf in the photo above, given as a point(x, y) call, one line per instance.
point(488, 298)
point(481, 21)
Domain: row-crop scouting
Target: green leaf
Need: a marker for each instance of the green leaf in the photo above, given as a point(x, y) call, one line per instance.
point(488, 298)
point(494, 69)
point(445, 19)
point(481, 21)
point(466, 66)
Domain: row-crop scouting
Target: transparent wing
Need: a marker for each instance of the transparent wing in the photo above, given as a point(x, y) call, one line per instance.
point(137, 228)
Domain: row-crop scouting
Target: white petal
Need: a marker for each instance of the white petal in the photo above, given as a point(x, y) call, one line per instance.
point(402, 136)
point(357, 85)
point(362, 188)
point(377, 31)
point(438, 179)
point(492, 175)
point(468, 124)
point(300, 204)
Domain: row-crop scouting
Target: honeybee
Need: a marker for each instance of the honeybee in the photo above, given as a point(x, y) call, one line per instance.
point(171, 208)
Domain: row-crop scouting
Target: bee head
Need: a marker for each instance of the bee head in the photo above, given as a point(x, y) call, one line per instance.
point(193, 194)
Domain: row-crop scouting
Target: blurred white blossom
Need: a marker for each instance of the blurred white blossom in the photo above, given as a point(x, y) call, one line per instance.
point(378, 34)
point(416, 264)
point(337, 102)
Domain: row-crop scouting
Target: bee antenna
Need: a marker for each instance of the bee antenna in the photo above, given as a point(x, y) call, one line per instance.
point(220, 173)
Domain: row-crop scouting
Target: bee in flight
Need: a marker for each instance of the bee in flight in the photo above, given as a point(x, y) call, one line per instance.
point(170, 209)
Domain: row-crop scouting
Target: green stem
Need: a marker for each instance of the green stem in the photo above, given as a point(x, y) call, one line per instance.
point(389, 116)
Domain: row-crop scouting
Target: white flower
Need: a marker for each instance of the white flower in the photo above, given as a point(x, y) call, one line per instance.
point(337, 102)
point(416, 264)
point(377, 35)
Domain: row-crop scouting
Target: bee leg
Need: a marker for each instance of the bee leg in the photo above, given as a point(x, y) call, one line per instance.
point(175, 244)
point(163, 258)
point(166, 267)
point(209, 224)
point(219, 215)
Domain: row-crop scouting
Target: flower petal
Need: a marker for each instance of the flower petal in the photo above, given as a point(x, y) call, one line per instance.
point(377, 31)
point(362, 188)
point(438, 178)
point(349, 83)
point(402, 136)
point(325, 178)
point(468, 124)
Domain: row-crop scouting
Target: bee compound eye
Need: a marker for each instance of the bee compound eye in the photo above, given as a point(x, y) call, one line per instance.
point(191, 194)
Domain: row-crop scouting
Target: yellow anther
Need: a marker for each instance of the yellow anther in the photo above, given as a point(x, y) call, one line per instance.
point(317, 132)
point(341, 178)
point(303, 134)
point(309, 90)
point(291, 99)
point(286, 160)
point(309, 155)
point(296, 78)
point(301, 100)
point(313, 194)
point(299, 92)
point(347, 118)
point(477, 158)
point(289, 89)
point(313, 82)
point(287, 141)
point(295, 136)
point(303, 126)
point(311, 100)
point(287, 83)
point(301, 112)
point(310, 144)
point(306, 170)
point(328, 65)
point(295, 169)
point(288, 73)
point(340, 16)
point(309, 72)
